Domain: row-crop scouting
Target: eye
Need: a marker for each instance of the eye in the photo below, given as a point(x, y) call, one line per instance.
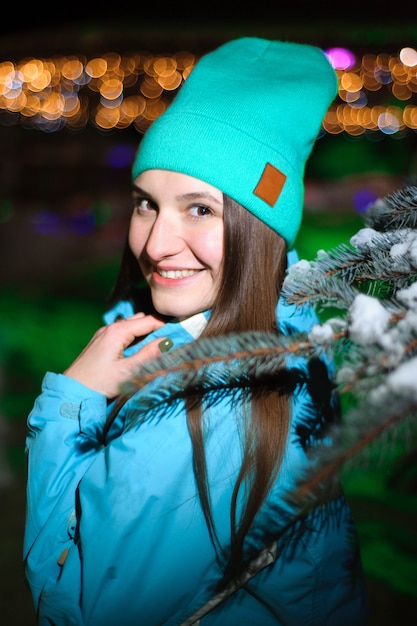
point(143, 206)
point(200, 210)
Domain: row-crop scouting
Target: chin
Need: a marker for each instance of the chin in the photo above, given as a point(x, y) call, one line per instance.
point(179, 312)
point(169, 311)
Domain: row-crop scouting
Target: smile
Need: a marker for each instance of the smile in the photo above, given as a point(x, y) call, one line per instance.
point(177, 273)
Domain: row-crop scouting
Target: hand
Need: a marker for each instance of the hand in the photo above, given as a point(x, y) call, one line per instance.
point(101, 366)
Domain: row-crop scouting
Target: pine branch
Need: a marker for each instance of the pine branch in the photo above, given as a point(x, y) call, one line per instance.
point(395, 211)
point(215, 364)
point(316, 283)
point(349, 441)
point(334, 278)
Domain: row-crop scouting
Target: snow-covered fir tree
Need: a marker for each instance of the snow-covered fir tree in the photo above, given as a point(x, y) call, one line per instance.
point(370, 288)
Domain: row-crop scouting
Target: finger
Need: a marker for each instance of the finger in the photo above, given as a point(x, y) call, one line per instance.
point(134, 316)
point(146, 322)
point(135, 328)
point(150, 352)
point(141, 314)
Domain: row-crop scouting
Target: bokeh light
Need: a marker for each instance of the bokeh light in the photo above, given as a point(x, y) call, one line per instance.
point(112, 91)
point(341, 58)
point(362, 199)
point(408, 57)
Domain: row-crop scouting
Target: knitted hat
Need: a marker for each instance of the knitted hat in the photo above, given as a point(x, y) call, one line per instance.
point(245, 121)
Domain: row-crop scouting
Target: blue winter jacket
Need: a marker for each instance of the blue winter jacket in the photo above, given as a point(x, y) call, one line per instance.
point(115, 534)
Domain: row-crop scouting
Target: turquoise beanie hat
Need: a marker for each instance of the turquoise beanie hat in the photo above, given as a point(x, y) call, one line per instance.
point(245, 121)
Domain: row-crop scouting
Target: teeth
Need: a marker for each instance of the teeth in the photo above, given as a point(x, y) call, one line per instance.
point(176, 273)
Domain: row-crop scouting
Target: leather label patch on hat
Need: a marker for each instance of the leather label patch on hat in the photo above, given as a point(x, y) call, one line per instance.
point(270, 184)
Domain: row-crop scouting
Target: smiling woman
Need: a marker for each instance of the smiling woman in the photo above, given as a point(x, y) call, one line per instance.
point(180, 515)
point(176, 235)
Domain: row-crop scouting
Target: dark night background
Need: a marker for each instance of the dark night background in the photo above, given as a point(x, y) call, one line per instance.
point(64, 206)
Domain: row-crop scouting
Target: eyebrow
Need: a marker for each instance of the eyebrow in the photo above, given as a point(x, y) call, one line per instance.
point(192, 195)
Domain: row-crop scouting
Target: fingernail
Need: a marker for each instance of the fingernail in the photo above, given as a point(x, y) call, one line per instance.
point(165, 344)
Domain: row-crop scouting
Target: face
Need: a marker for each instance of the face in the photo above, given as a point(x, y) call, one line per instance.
point(176, 234)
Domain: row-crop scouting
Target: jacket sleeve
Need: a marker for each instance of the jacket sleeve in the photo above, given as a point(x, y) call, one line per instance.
point(62, 441)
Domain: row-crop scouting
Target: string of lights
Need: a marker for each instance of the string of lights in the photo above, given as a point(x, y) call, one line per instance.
point(377, 92)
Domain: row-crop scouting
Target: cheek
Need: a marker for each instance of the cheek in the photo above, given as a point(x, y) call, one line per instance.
point(212, 249)
point(136, 239)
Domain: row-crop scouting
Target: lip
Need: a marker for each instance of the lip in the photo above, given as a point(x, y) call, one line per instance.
point(163, 281)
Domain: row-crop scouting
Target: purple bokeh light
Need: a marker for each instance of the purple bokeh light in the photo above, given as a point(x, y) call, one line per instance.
point(341, 58)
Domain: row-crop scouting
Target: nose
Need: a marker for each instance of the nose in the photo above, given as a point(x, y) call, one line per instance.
point(165, 238)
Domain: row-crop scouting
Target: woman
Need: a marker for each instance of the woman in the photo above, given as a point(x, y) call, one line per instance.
point(180, 516)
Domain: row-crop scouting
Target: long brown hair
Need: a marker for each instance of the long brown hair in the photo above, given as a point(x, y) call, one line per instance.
point(253, 271)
